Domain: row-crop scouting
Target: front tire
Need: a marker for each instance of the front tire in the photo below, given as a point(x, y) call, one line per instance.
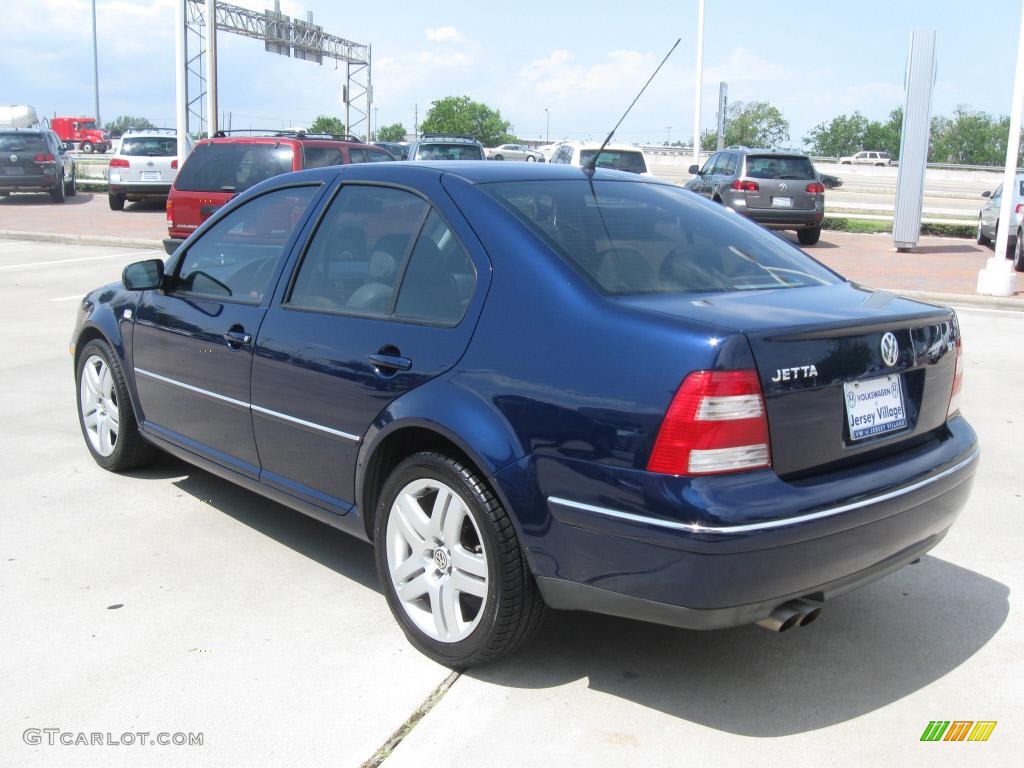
point(57, 193)
point(87, 147)
point(71, 187)
point(1018, 253)
point(808, 236)
point(448, 557)
point(531, 159)
point(105, 411)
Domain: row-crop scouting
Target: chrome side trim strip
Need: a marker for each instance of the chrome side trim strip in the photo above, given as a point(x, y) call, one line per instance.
point(243, 404)
point(190, 388)
point(303, 422)
point(767, 524)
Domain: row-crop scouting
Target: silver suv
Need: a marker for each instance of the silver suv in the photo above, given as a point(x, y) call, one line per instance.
point(144, 165)
point(437, 146)
point(777, 189)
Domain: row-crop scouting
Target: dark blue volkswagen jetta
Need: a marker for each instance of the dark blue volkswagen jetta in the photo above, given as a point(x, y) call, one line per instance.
point(532, 386)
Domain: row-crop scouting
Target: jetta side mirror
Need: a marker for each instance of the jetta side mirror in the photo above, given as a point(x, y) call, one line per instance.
point(143, 275)
point(986, 193)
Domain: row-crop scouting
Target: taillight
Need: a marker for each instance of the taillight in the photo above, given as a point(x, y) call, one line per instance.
point(715, 424)
point(170, 212)
point(119, 162)
point(174, 163)
point(44, 157)
point(958, 380)
point(745, 186)
point(816, 188)
point(1019, 210)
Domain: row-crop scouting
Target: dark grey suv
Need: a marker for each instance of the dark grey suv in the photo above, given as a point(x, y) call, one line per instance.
point(34, 160)
point(779, 190)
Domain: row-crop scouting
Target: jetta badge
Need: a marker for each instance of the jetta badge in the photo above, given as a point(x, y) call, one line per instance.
point(792, 374)
point(890, 350)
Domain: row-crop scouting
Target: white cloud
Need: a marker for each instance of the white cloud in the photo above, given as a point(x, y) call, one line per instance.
point(444, 35)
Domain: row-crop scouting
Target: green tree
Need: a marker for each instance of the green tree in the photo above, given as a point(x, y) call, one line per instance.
point(969, 137)
point(751, 124)
point(462, 115)
point(393, 132)
point(846, 134)
point(124, 122)
point(327, 124)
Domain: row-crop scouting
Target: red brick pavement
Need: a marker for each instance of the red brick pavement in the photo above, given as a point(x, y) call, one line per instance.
point(939, 265)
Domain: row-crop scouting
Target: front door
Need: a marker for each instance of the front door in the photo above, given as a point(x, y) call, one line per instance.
point(193, 341)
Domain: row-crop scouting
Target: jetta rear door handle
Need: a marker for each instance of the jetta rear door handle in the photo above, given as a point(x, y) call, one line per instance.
point(392, 362)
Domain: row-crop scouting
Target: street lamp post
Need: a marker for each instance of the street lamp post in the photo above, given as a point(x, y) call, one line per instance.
point(547, 125)
point(668, 134)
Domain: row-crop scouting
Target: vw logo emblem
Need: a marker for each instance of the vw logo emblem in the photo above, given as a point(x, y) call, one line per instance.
point(783, 187)
point(441, 560)
point(14, 158)
point(890, 350)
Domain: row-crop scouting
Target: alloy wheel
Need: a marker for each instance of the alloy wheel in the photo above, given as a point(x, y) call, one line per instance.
point(100, 413)
point(436, 560)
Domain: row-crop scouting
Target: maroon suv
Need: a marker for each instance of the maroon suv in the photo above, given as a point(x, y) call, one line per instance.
point(221, 167)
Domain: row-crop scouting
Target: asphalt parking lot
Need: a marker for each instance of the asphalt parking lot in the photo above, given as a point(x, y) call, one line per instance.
point(170, 601)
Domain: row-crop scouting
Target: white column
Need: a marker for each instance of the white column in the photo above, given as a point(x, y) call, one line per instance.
point(997, 278)
point(698, 82)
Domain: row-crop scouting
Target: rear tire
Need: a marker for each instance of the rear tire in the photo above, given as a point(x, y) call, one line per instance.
point(105, 411)
point(808, 236)
point(57, 193)
point(443, 540)
point(115, 201)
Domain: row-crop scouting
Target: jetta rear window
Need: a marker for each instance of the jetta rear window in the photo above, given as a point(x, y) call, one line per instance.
point(630, 237)
point(232, 167)
point(779, 167)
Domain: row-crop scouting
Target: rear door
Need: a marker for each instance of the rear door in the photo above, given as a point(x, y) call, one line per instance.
point(192, 343)
point(383, 300)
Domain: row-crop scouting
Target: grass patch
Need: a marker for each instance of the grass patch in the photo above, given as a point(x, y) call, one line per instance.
point(867, 226)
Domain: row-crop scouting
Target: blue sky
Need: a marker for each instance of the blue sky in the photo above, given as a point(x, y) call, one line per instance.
point(584, 62)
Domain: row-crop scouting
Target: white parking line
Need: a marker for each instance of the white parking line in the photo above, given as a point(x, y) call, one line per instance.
point(989, 310)
point(10, 243)
point(69, 298)
point(70, 261)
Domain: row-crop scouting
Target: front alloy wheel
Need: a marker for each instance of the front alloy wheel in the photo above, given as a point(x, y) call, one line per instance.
point(101, 417)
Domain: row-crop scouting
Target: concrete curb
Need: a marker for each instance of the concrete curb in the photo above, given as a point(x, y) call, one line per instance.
point(963, 299)
point(54, 237)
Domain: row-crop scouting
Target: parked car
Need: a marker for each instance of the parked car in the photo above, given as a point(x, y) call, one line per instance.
point(217, 169)
point(613, 157)
point(436, 146)
point(867, 157)
point(988, 220)
point(778, 190)
point(513, 152)
point(81, 132)
point(830, 181)
point(35, 160)
point(145, 164)
point(531, 385)
point(398, 149)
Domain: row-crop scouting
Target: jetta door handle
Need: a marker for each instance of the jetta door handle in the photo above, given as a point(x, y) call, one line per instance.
point(392, 362)
point(237, 337)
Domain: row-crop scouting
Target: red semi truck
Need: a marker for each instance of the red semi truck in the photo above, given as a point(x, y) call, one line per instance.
point(82, 131)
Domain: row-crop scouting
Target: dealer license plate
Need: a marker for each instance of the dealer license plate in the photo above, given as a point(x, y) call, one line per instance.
point(14, 170)
point(151, 175)
point(782, 202)
point(875, 406)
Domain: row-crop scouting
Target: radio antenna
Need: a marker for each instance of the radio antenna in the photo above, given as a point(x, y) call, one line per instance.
point(592, 162)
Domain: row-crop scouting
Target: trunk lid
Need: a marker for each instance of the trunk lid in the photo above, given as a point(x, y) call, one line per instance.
point(846, 371)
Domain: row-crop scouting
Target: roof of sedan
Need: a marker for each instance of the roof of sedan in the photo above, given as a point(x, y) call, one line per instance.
point(474, 171)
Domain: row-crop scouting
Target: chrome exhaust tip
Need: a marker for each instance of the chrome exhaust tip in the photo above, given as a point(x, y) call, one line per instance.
point(782, 618)
point(809, 610)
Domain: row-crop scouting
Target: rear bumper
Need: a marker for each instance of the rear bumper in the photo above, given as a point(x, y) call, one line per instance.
point(729, 556)
point(786, 218)
point(161, 189)
point(28, 183)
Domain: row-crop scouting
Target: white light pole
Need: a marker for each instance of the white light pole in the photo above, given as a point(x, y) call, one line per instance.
point(95, 65)
point(211, 68)
point(180, 84)
point(698, 81)
point(997, 278)
point(547, 125)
